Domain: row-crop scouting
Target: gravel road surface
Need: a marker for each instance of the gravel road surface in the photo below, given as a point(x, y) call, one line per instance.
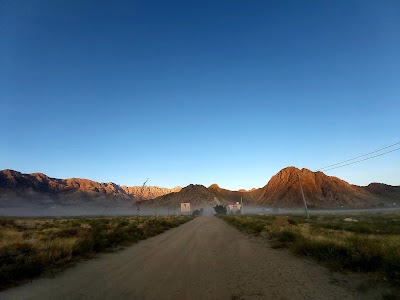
point(202, 259)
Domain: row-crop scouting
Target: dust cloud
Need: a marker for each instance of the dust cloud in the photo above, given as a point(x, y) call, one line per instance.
point(106, 206)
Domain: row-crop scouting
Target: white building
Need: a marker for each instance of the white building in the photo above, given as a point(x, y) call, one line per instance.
point(234, 207)
point(185, 208)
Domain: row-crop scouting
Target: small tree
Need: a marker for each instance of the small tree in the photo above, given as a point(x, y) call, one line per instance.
point(196, 213)
point(220, 209)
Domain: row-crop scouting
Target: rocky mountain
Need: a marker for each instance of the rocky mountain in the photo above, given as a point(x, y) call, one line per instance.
point(320, 190)
point(283, 190)
point(230, 197)
point(17, 189)
point(200, 196)
point(195, 194)
point(383, 190)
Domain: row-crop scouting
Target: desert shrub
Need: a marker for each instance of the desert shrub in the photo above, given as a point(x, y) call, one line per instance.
point(325, 251)
point(65, 233)
point(254, 226)
point(19, 261)
point(197, 212)
point(47, 225)
point(370, 245)
point(7, 223)
point(84, 247)
point(287, 236)
point(391, 265)
point(220, 209)
point(39, 248)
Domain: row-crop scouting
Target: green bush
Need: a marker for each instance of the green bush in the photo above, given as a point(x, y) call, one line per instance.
point(197, 212)
point(220, 209)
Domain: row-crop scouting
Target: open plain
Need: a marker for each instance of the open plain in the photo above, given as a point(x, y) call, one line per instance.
point(202, 259)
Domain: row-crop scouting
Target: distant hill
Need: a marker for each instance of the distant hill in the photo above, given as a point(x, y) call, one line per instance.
point(196, 194)
point(230, 197)
point(199, 195)
point(283, 190)
point(40, 182)
point(323, 191)
point(38, 191)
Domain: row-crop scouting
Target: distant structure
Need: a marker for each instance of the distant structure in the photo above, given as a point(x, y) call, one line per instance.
point(234, 207)
point(185, 208)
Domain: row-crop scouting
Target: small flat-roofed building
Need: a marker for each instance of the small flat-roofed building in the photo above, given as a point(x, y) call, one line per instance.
point(234, 207)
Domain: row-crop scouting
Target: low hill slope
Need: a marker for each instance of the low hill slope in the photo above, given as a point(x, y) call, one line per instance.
point(195, 194)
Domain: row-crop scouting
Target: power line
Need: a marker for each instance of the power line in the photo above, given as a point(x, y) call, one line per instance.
point(109, 202)
point(339, 163)
point(361, 160)
point(140, 198)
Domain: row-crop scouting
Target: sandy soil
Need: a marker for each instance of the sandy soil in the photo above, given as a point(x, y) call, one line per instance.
point(202, 259)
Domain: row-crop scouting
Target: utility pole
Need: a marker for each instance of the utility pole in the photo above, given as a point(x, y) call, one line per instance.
point(241, 205)
point(140, 198)
point(156, 204)
point(302, 195)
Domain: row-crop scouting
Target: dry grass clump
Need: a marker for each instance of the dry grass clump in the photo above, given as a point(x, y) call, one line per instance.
point(29, 247)
point(370, 245)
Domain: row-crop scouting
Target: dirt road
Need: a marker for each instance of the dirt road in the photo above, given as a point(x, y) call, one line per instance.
point(202, 259)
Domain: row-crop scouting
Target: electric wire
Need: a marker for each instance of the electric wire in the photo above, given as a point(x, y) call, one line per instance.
point(354, 162)
point(339, 163)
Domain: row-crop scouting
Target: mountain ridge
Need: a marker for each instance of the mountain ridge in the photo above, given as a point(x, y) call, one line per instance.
point(10, 179)
point(282, 190)
point(320, 190)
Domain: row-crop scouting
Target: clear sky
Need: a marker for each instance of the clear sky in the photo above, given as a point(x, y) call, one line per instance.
point(199, 91)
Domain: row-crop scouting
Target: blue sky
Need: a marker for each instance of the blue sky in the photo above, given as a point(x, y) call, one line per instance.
point(199, 91)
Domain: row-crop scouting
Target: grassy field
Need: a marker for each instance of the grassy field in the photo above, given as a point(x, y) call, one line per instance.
point(372, 244)
point(30, 247)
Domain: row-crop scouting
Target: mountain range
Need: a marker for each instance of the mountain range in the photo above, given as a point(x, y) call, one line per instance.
point(24, 193)
point(283, 190)
point(38, 191)
point(41, 183)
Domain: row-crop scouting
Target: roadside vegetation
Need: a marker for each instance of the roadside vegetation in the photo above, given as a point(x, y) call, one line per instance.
point(363, 243)
point(30, 247)
point(198, 212)
point(220, 209)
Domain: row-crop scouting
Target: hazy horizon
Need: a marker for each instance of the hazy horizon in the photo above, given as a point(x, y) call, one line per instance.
point(199, 92)
point(182, 186)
